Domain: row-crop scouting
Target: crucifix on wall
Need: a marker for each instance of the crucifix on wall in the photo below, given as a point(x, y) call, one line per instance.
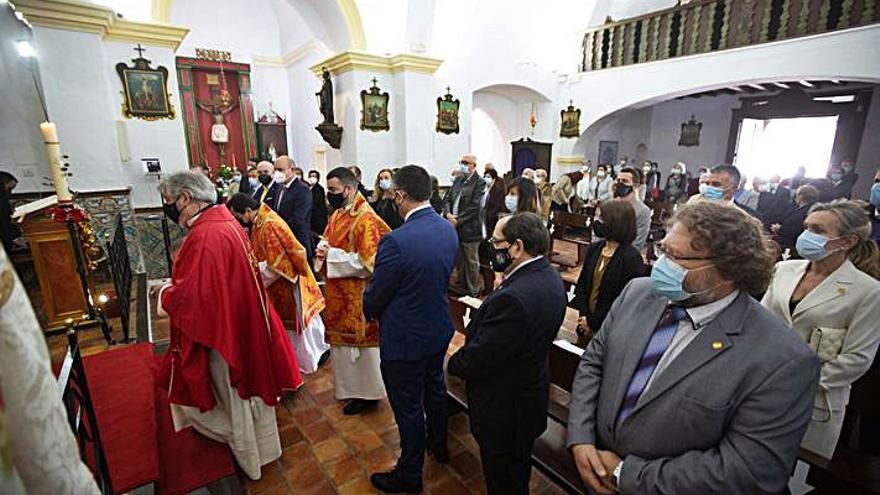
point(218, 106)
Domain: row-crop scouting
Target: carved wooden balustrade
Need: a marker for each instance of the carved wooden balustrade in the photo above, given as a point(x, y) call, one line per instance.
point(704, 26)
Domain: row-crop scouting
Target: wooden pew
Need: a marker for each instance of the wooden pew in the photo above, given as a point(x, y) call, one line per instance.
point(571, 228)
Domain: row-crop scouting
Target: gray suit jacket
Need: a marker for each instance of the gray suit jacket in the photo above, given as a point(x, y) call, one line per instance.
point(726, 416)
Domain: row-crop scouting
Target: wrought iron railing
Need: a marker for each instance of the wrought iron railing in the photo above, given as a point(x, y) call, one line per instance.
point(704, 26)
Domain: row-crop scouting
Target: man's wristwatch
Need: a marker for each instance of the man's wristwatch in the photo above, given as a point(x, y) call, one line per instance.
point(615, 475)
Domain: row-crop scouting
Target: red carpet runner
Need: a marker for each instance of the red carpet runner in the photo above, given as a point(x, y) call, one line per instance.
point(134, 421)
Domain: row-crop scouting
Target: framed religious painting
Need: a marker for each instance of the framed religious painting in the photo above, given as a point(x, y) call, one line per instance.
point(447, 114)
point(374, 109)
point(690, 133)
point(144, 90)
point(570, 122)
point(607, 153)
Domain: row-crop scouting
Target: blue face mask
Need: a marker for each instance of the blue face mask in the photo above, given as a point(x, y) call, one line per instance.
point(385, 184)
point(811, 246)
point(711, 192)
point(667, 279)
point(875, 195)
point(510, 203)
point(463, 168)
point(253, 181)
point(836, 176)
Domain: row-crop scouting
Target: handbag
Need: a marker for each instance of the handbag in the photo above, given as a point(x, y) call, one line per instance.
point(827, 342)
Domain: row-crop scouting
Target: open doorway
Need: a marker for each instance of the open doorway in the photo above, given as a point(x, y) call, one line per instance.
point(767, 147)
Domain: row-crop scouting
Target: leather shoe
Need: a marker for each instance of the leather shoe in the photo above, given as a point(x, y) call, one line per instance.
point(357, 406)
point(391, 482)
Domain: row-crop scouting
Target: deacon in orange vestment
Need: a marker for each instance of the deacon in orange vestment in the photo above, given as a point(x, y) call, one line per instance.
point(229, 359)
point(347, 253)
point(288, 279)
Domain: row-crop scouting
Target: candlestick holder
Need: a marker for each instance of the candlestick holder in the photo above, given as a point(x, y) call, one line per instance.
point(74, 217)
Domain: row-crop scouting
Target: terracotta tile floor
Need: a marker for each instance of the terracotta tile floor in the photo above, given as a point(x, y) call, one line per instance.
point(328, 452)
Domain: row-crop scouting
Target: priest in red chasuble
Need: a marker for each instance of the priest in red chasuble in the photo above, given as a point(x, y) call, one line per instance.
point(229, 358)
point(288, 279)
point(347, 254)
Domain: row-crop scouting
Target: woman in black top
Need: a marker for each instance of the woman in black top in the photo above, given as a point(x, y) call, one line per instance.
point(436, 199)
point(609, 265)
point(318, 221)
point(494, 199)
point(382, 199)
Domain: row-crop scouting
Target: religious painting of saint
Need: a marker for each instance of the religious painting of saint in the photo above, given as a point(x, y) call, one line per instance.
point(570, 122)
point(447, 114)
point(374, 114)
point(607, 153)
point(144, 91)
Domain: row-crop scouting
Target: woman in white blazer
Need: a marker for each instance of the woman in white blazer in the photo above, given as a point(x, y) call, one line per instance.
point(831, 298)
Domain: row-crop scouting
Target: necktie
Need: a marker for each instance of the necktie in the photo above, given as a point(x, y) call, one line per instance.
point(265, 192)
point(660, 340)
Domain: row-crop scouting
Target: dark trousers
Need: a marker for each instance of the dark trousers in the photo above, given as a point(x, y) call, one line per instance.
point(417, 393)
point(507, 472)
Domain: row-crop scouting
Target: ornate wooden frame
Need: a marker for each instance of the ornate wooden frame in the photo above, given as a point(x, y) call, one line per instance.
point(570, 114)
point(375, 93)
point(454, 106)
point(142, 66)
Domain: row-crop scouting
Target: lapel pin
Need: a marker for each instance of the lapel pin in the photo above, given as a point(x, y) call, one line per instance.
point(841, 290)
point(717, 345)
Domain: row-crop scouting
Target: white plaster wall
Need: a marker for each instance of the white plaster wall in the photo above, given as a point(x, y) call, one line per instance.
point(629, 129)
point(665, 130)
point(868, 160)
point(625, 9)
point(243, 27)
point(21, 147)
point(305, 113)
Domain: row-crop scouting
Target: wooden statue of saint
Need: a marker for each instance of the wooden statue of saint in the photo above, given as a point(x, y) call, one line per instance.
point(325, 97)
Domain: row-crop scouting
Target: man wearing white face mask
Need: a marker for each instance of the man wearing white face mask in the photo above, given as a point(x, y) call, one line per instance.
point(293, 202)
point(462, 208)
point(702, 390)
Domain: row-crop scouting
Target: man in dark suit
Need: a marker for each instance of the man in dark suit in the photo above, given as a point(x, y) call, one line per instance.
point(504, 362)
point(318, 222)
point(691, 386)
point(267, 190)
point(408, 295)
point(293, 202)
point(462, 207)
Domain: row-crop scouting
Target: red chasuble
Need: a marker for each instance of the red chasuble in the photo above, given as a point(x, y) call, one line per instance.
point(217, 301)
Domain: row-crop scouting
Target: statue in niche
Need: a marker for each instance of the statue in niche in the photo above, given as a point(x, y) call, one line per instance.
point(220, 104)
point(325, 97)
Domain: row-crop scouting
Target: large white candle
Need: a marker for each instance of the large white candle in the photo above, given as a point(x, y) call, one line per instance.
point(53, 152)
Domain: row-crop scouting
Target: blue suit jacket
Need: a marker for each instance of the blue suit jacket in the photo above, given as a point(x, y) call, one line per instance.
point(409, 290)
point(295, 207)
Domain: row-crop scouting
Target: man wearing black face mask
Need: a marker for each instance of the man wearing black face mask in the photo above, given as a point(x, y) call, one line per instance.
point(625, 189)
point(267, 191)
point(504, 361)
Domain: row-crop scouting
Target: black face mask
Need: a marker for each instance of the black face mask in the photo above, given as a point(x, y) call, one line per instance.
point(501, 260)
point(600, 229)
point(171, 211)
point(244, 224)
point(336, 200)
point(621, 190)
point(265, 179)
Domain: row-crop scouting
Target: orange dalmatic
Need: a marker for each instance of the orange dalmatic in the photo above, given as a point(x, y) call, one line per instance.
point(274, 243)
point(353, 229)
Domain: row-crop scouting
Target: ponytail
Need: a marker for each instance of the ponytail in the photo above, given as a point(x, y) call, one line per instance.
point(866, 257)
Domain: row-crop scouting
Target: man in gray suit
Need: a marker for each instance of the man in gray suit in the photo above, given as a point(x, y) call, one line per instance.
point(626, 187)
point(463, 208)
point(690, 386)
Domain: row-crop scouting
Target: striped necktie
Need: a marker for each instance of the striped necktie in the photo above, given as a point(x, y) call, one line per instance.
point(660, 340)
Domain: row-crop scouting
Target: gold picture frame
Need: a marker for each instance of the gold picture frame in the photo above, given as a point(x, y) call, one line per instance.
point(145, 90)
point(374, 109)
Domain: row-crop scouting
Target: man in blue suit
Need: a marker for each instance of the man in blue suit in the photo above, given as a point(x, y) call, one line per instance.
point(408, 294)
point(293, 202)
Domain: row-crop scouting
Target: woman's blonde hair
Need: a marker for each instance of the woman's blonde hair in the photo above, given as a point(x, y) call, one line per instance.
point(852, 219)
point(378, 193)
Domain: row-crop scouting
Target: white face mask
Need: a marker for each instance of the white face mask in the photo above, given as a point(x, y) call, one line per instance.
point(279, 177)
point(313, 180)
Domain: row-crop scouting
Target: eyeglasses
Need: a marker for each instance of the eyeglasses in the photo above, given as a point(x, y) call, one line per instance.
point(659, 250)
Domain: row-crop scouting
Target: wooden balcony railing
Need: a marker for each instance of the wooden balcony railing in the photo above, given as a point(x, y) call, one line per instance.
point(704, 26)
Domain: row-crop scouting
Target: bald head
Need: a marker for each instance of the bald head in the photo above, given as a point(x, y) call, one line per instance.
point(286, 166)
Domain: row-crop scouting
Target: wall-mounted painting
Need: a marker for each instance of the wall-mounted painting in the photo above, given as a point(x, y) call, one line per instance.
point(607, 153)
point(374, 113)
point(144, 90)
point(690, 133)
point(447, 114)
point(570, 123)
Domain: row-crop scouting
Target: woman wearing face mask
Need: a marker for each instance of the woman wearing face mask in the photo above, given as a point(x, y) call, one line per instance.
point(842, 178)
point(318, 221)
point(598, 188)
point(831, 299)
point(494, 198)
point(609, 265)
point(675, 191)
point(382, 199)
point(521, 196)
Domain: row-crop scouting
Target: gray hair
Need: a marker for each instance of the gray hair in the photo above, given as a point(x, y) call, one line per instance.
point(194, 183)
